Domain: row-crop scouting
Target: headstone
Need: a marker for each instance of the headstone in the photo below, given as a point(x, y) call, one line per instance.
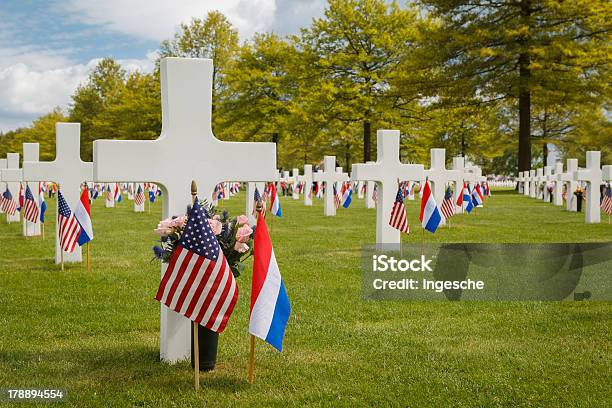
point(558, 185)
point(387, 171)
point(250, 199)
point(459, 167)
point(31, 154)
point(526, 183)
point(547, 179)
point(306, 179)
point(67, 170)
point(140, 207)
point(295, 182)
point(329, 176)
point(592, 175)
point(369, 194)
point(438, 176)
point(570, 184)
point(2, 183)
point(520, 180)
point(13, 176)
point(360, 189)
point(606, 173)
point(186, 150)
point(532, 183)
point(539, 181)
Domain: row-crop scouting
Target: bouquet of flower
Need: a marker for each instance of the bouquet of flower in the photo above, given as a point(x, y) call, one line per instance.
point(234, 234)
point(579, 192)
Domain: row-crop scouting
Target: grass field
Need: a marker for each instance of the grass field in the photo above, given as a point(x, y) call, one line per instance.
point(96, 334)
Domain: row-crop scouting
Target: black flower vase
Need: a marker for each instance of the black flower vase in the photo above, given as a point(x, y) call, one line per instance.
point(208, 342)
point(579, 202)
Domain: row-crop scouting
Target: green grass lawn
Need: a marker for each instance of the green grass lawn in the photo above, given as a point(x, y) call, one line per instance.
point(96, 334)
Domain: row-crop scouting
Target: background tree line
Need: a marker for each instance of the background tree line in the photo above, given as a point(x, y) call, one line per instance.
point(495, 80)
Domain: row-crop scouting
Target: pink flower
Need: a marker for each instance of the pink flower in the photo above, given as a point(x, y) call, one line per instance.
point(244, 233)
point(215, 225)
point(241, 247)
point(242, 219)
point(163, 232)
point(178, 221)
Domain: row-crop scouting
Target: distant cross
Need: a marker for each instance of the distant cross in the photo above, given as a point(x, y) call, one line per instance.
point(539, 180)
point(532, 183)
point(306, 179)
point(520, 179)
point(592, 175)
point(547, 179)
point(567, 179)
point(387, 171)
point(329, 176)
point(438, 176)
point(12, 176)
point(186, 150)
point(558, 185)
point(31, 154)
point(295, 181)
point(68, 170)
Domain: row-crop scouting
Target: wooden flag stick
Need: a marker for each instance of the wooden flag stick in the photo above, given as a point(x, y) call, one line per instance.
point(87, 246)
point(42, 228)
point(251, 359)
point(62, 256)
point(196, 345)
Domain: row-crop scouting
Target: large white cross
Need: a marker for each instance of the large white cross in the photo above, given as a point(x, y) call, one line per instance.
point(439, 176)
point(186, 150)
point(558, 187)
point(68, 170)
point(13, 176)
point(570, 183)
point(592, 175)
point(387, 171)
point(547, 178)
point(2, 183)
point(330, 177)
point(31, 154)
point(306, 179)
point(520, 179)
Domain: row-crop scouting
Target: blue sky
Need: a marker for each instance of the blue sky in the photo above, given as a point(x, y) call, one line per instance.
point(48, 47)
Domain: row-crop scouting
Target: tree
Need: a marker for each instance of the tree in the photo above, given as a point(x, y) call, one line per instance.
point(523, 51)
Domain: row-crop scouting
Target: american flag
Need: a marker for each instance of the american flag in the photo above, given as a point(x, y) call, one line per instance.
point(139, 198)
point(110, 195)
point(9, 206)
point(398, 214)
point(198, 282)
point(69, 228)
point(257, 200)
point(375, 193)
point(606, 203)
point(448, 206)
point(337, 197)
point(30, 208)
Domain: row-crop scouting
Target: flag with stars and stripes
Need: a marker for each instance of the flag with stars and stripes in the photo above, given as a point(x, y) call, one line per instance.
point(198, 282)
point(139, 198)
point(9, 206)
point(448, 206)
point(69, 228)
point(398, 218)
point(257, 200)
point(606, 203)
point(30, 208)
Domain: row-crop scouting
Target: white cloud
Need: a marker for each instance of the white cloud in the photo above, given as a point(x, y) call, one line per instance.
point(158, 19)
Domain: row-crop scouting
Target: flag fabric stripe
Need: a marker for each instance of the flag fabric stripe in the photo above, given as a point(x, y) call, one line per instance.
point(398, 219)
point(30, 208)
point(69, 228)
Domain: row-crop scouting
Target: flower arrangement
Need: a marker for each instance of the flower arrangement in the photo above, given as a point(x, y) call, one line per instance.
point(234, 234)
point(579, 192)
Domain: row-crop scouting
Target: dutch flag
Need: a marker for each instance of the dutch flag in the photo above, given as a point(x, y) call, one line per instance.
point(118, 197)
point(430, 215)
point(270, 308)
point(82, 214)
point(477, 198)
point(347, 194)
point(464, 199)
point(275, 207)
point(41, 201)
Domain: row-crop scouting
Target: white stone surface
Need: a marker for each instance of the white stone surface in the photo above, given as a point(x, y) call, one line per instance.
point(2, 183)
point(532, 183)
point(547, 180)
point(329, 176)
point(306, 179)
point(31, 154)
point(439, 176)
point(606, 173)
point(387, 172)
point(67, 170)
point(570, 184)
point(12, 175)
point(369, 194)
point(186, 150)
point(558, 185)
point(295, 180)
point(360, 189)
point(591, 175)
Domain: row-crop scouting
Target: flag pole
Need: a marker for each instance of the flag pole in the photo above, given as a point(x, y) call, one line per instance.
point(87, 246)
point(196, 346)
point(251, 359)
point(42, 228)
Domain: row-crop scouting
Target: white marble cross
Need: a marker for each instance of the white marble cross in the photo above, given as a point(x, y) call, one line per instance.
point(369, 198)
point(13, 177)
point(306, 179)
point(532, 184)
point(570, 183)
point(547, 178)
point(526, 183)
point(295, 180)
point(31, 154)
point(68, 170)
point(342, 178)
point(558, 186)
point(606, 173)
point(519, 180)
point(439, 176)
point(592, 175)
point(539, 179)
point(109, 199)
point(387, 172)
point(186, 150)
point(2, 183)
point(330, 177)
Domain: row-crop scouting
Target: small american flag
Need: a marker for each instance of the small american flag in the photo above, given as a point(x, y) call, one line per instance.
point(198, 282)
point(69, 228)
point(110, 195)
point(337, 197)
point(9, 206)
point(257, 200)
point(375, 192)
point(139, 198)
point(448, 206)
point(30, 208)
point(606, 203)
point(398, 214)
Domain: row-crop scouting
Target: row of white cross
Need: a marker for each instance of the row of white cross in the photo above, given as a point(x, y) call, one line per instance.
point(530, 183)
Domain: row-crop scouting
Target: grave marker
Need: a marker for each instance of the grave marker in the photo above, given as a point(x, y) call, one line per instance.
point(2, 183)
point(439, 176)
point(329, 176)
point(570, 183)
point(592, 175)
point(13, 176)
point(307, 180)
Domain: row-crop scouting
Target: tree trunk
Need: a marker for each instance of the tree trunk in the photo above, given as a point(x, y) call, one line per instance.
point(524, 151)
point(463, 145)
point(545, 153)
point(367, 138)
point(347, 156)
point(275, 141)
